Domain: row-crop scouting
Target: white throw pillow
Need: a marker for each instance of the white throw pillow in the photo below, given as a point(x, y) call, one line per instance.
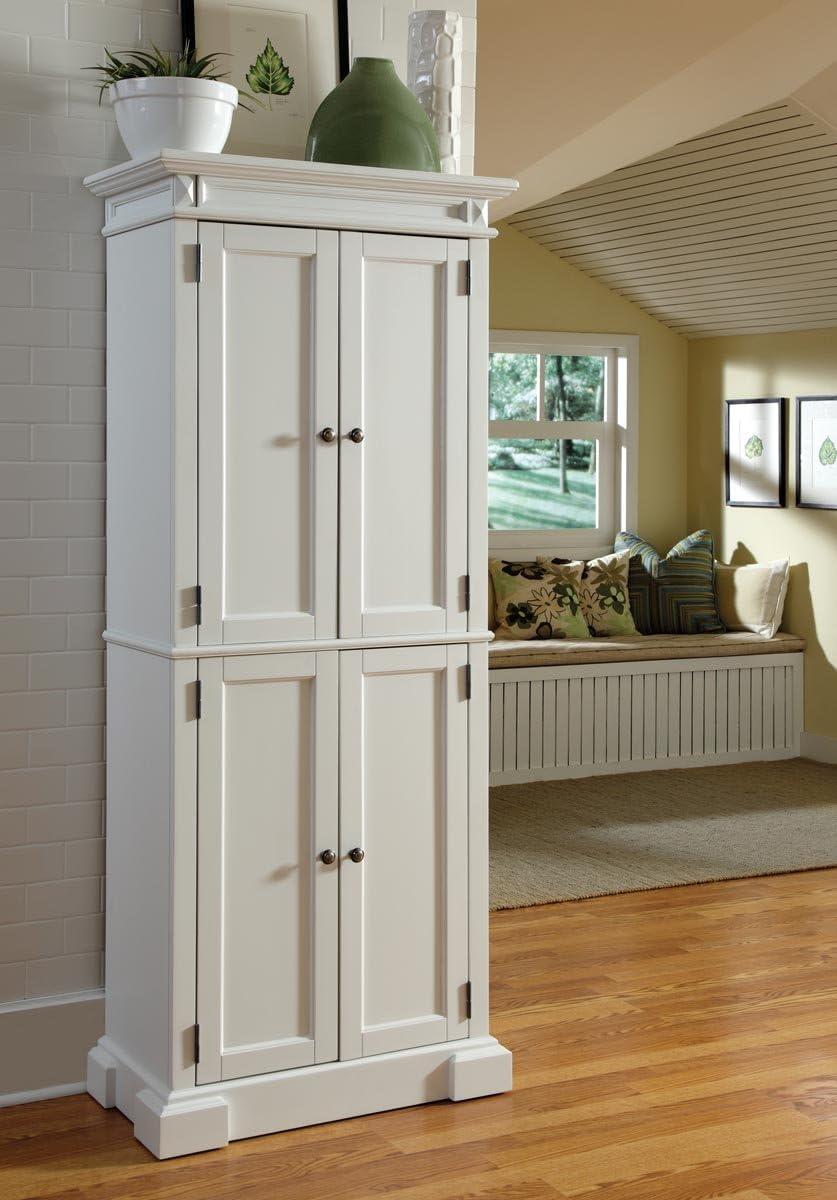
point(752, 597)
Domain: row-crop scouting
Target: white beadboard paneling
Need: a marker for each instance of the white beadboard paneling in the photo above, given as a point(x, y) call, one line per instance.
point(730, 232)
point(650, 715)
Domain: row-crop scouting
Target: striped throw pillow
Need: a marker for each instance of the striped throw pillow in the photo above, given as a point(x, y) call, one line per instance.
point(675, 594)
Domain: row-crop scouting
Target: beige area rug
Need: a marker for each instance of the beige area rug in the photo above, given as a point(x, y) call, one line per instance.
point(573, 838)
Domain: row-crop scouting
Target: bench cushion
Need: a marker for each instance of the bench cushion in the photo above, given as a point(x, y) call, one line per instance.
point(504, 653)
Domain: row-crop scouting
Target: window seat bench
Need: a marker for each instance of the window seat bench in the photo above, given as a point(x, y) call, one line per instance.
point(561, 709)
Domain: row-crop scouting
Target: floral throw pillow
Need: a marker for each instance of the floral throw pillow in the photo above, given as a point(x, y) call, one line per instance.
point(540, 599)
point(604, 596)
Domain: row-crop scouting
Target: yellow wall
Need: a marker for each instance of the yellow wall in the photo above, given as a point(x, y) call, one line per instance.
point(531, 288)
point(785, 364)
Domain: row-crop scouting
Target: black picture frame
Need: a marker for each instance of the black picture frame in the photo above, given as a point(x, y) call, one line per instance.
point(781, 407)
point(800, 400)
point(341, 8)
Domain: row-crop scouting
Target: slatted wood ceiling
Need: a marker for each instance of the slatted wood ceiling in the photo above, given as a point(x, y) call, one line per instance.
point(731, 232)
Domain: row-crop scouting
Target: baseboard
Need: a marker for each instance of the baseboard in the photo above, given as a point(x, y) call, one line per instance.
point(8, 1099)
point(819, 747)
point(44, 1044)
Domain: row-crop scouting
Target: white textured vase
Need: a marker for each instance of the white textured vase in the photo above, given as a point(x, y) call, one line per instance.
point(169, 113)
point(434, 76)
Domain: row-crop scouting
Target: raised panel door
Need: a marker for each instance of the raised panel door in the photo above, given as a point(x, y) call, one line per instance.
point(267, 904)
point(404, 803)
point(267, 317)
point(404, 434)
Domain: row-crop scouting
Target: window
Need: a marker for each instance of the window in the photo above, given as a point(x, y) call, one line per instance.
point(560, 470)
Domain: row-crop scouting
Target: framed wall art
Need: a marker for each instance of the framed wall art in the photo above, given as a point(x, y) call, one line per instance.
point(755, 451)
point(816, 452)
point(311, 39)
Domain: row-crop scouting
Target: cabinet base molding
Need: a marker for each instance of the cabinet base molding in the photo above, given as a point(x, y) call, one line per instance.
point(211, 1115)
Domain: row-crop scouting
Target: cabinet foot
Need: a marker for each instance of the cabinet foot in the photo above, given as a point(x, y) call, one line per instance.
point(180, 1127)
point(482, 1071)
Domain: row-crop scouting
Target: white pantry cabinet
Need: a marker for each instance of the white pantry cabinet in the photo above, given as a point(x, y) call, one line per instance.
point(297, 674)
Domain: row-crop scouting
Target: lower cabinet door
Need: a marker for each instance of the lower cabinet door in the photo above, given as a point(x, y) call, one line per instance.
point(404, 899)
point(267, 904)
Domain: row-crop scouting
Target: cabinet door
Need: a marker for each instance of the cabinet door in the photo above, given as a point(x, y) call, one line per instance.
point(267, 387)
point(267, 904)
point(404, 907)
point(403, 384)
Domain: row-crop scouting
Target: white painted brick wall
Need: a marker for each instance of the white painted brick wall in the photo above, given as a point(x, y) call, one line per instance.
point(52, 297)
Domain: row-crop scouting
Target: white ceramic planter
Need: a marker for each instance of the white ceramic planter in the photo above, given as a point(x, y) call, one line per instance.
point(168, 113)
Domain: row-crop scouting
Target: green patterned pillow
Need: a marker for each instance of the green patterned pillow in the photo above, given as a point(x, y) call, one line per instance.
point(675, 594)
point(605, 596)
point(539, 599)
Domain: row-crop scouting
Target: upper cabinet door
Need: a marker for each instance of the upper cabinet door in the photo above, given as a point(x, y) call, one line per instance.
point(268, 341)
point(404, 431)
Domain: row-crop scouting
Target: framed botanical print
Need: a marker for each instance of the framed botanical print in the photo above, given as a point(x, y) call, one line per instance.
point(816, 452)
point(755, 453)
point(308, 47)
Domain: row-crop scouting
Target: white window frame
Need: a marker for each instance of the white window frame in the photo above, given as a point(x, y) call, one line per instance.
point(616, 436)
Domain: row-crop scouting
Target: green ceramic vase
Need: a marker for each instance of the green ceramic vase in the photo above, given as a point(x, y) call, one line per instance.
point(372, 120)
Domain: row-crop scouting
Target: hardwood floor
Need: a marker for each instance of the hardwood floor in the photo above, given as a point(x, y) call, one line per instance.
point(669, 1045)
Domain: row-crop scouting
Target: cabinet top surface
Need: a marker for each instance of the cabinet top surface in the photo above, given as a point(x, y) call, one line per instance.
point(234, 187)
point(244, 168)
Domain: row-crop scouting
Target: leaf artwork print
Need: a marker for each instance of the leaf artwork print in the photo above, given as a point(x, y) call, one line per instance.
point(754, 447)
point(268, 75)
point(828, 453)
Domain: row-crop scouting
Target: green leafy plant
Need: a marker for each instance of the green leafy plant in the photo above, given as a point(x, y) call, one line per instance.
point(146, 64)
point(268, 75)
point(754, 447)
point(828, 453)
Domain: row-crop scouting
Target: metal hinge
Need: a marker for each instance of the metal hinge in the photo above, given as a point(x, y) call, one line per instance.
point(197, 1043)
point(198, 604)
point(198, 252)
point(468, 681)
point(468, 1000)
point(467, 593)
point(467, 276)
point(198, 700)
